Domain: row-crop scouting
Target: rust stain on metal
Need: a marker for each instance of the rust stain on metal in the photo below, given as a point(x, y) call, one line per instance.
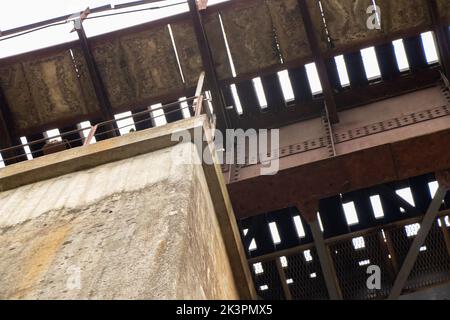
point(403, 14)
point(312, 181)
point(18, 95)
point(152, 63)
point(113, 69)
point(317, 21)
point(188, 51)
point(43, 90)
point(345, 173)
point(422, 155)
point(217, 45)
point(250, 36)
point(347, 21)
point(287, 21)
point(444, 9)
point(443, 177)
point(138, 66)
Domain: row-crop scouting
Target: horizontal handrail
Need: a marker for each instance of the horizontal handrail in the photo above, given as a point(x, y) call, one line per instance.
point(50, 146)
point(104, 123)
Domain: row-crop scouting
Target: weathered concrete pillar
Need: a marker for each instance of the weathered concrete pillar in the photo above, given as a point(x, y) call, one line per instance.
point(120, 220)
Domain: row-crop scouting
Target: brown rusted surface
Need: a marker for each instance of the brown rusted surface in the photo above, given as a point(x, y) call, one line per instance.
point(345, 173)
point(346, 21)
point(444, 9)
point(290, 31)
point(250, 35)
point(188, 51)
point(309, 210)
point(152, 63)
point(317, 21)
point(18, 95)
point(403, 14)
point(217, 45)
point(43, 89)
point(55, 146)
point(114, 71)
point(422, 154)
point(138, 66)
point(443, 177)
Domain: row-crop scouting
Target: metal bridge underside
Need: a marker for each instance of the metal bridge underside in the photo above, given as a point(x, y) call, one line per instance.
point(343, 145)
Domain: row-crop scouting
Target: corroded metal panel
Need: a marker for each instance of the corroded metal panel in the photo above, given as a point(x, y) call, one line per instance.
point(347, 21)
point(444, 9)
point(250, 36)
point(18, 95)
point(152, 63)
point(188, 51)
point(138, 67)
point(290, 30)
point(217, 45)
point(403, 14)
point(113, 69)
point(43, 90)
point(318, 24)
point(55, 87)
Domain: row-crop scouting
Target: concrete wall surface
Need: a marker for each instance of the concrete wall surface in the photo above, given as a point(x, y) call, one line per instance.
point(138, 228)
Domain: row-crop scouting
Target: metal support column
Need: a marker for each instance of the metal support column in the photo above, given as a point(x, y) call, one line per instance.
point(283, 279)
point(208, 65)
point(326, 263)
point(330, 103)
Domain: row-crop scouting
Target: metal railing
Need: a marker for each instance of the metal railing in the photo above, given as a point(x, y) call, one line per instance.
point(195, 104)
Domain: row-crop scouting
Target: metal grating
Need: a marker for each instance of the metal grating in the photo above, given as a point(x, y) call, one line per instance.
point(305, 286)
point(384, 246)
point(351, 265)
point(433, 263)
point(269, 278)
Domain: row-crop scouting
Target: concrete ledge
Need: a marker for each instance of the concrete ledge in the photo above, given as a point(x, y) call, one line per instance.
point(139, 143)
point(102, 152)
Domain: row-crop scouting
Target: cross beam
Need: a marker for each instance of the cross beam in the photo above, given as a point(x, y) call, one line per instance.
point(425, 227)
point(330, 103)
point(97, 82)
